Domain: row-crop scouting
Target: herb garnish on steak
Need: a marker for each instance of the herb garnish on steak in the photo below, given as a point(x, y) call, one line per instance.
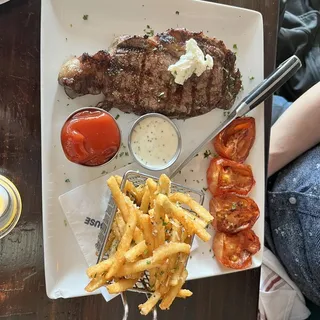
point(133, 75)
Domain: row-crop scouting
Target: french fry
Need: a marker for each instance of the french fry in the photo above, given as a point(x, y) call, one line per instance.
point(145, 202)
point(118, 197)
point(121, 285)
point(167, 227)
point(136, 275)
point(118, 179)
point(162, 276)
point(124, 244)
point(152, 278)
point(162, 232)
point(152, 186)
point(95, 284)
point(120, 223)
point(162, 283)
point(116, 230)
point(185, 237)
point(130, 205)
point(164, 186)
point(146, 226)
point(158, 220)
point(172, 266)
point(140, 192)
point(121, 203)
point(157, 258)
point(182, 260)
point(178, 213)
point(167, 222)
point(113, 247)
point(173, 292)
point(135, 267)
point(129, 187)
point(109, 241)
point(194, 205)
point(168, 249)
point(137, 236)
point(151, 213)
point(184, 293)
point(202, 223)
point(99, 268)
point(132, 254)
point(146, 307)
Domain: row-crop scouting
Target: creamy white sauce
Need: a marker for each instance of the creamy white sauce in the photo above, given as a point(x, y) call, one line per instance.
point(154, 142)
point(193, 61)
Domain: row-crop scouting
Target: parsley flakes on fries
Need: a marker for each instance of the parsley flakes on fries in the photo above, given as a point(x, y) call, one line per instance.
point(151, 232)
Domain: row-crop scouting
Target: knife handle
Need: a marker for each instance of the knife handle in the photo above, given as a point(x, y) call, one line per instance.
point(271, 84)
point(253, 99)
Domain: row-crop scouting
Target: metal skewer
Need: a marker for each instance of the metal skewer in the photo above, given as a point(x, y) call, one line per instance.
point(259, 94)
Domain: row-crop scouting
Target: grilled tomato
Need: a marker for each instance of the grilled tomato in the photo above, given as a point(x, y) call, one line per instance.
point(232, 213)
point(236, 140)
point(226, 176)
point(235, 251)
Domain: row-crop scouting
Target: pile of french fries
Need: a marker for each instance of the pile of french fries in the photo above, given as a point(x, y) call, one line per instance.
point(151, 232)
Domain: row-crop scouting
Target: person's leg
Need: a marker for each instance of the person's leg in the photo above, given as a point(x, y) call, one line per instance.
point(293, 221)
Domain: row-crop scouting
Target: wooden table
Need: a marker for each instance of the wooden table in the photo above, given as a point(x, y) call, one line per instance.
point(22, 285)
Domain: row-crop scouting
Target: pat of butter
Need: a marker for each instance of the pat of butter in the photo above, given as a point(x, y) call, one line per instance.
point(193, 61)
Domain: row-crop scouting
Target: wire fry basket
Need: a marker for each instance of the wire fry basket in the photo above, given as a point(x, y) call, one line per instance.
point(137, 178)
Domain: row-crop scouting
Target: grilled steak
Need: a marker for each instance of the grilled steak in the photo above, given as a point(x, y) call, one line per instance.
point(133, 75)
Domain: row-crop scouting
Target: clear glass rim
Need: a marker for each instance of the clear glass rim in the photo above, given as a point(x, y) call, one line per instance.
point(8, 184)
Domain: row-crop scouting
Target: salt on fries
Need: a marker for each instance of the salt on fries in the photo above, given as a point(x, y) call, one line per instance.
point(151, 232)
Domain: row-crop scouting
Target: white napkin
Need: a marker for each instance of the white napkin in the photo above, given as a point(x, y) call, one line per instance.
point(84, 208)
point(3, 1)
point(280, 298)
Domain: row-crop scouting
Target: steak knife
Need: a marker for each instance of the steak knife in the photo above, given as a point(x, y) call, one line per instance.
point(259, 94)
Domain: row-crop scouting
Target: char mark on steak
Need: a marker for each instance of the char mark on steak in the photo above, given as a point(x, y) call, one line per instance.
point(133, 75)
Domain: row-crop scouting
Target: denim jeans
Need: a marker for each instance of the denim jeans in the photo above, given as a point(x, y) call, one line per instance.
point(293, 216)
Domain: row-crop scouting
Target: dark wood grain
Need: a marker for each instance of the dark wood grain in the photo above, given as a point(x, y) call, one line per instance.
point(22, 286)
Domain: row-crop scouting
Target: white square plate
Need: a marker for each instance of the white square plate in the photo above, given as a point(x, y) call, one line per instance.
point(64, 32)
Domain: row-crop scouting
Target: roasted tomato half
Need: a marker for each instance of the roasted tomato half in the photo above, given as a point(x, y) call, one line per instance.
point(236, 140)
point(226, 176)
point(235, 250)
point(232, 213)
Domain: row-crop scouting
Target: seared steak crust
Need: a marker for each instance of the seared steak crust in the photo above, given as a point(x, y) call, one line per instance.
point(134, 76)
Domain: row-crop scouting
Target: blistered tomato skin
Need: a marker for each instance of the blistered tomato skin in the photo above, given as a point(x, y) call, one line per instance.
point(226, 176)
point(236, 140)
point(235, 250)
point(233, 213)
point(90, 137)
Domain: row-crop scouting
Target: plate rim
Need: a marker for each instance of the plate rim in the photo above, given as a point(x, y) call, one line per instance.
point(49, 290)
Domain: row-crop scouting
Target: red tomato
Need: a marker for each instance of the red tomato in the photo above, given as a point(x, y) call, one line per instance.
point(236, 140)
point(232, 213)
point(226, 176)
point(235, 251)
